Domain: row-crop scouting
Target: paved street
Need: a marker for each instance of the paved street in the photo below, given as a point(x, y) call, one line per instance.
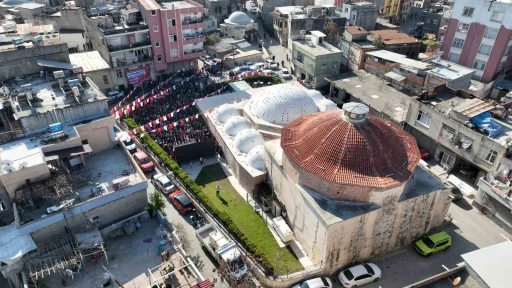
point(470, 230)
point(206, 264)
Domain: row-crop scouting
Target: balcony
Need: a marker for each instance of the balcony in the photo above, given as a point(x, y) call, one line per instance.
point(194, 20)
point(497, 188)
point(125, 28)
point(193, 39)
point(194, 53)
point(124, 62)
point(130, 46)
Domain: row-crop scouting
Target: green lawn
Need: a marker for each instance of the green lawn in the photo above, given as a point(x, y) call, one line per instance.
point(248, 222)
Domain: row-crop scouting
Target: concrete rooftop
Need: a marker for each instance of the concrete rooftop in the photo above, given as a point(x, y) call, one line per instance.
point(102, 168)
point(47, 95)
point(375, 92)
point(317, 50)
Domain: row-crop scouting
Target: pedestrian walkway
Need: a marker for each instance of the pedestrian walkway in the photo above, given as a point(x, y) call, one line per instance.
point(194, 168)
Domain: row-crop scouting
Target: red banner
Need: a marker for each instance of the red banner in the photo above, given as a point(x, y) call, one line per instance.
point(138, 75)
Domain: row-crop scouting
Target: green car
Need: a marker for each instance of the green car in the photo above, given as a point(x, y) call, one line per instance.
point(430, 244)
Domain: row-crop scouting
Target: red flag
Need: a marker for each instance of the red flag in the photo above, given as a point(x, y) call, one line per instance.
point(169, 116)
point(171, 126)
point(151, 99)
point(121, 114)
point(182, 122)
point(130, 133)
point(161, 119)
point(191, 118)
point(188, 106)
point(159, 130)
point(154, 123)
point(147, 127)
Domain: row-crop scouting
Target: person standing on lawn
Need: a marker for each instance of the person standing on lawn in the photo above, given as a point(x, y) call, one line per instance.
point(218, 190)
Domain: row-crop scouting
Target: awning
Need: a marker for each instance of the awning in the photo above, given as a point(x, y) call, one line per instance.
point(59, 65)
point(463, 187)
point(395, 76)
point(240, 86)
point(68, 152)
point(14, 244)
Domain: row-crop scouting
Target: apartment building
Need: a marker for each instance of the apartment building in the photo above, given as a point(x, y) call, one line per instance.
point(124, 42)
point(479, 36)
point(362, 14)
point(314, 59)
point(176, 33)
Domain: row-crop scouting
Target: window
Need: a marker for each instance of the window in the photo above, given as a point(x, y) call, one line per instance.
point(458, 43)
point(119, 74)
point(463, 28)
point(173, 38)
point(157, 43)
point(491, 33)
point(468, 11)
point(155, 28)
point(159, 58)
point(153, 12)
point(435, 22)
point(486, 153)
point(508, 50)
point(485, 49)
point(346, 10)
point(463, 142)
point(85, 142)
point(323, 67)
point(479, 64)
point(171, 22)
point(454, 57)
point(174, 52)
point(497, 16)
point(2, 205)
point(354, 17)
point(429, 20)
point(105, 79)
point(424, 119)
point(447, 133)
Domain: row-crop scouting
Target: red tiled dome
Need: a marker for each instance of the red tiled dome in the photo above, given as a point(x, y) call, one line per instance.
point(369, 153)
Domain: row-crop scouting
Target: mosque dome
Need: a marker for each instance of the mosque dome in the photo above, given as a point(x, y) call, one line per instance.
point(13, 2)
point(239, 18)
point(247, 139)
point(255, 158)
point(236, 124)
point(225, 111)
point(351, 148)
point(282, 104)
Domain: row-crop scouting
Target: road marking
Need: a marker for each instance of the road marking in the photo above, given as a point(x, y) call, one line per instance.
point(393, 254)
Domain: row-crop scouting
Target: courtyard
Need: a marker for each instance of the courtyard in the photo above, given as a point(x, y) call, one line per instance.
point(250, 224)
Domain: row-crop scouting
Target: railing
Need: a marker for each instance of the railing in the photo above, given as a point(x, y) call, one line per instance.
point(188, 21)
point(130, 46)
point(195, 36)
point(124, 62)
point(498, 192)
point(134, 28)
point(193, 51)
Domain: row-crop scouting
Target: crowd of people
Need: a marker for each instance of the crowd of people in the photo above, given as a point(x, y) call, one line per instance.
point(186, 126)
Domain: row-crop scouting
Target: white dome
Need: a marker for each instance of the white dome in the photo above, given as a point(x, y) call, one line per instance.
point(282, 104)
point(255, 158)
point(327, 105)
point(316, 95)
point(225, 111)
point(13, 2)
point(239, 18)
point(247, 139)
point(236, 124)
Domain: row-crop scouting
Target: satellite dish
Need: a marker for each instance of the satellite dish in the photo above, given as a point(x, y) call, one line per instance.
point(9, 169)
point(456, 281)
point(7, 162)
point(23, 165)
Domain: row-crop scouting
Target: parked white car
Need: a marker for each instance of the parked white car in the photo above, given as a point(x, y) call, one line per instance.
point(271, 64)
point(257, 66)
point(359, 275)
point(267, 71)
point(320, 282)
point(163, 183)
point(285, 74)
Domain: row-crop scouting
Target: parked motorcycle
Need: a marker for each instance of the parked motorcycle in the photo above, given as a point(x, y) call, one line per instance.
point(197, 220)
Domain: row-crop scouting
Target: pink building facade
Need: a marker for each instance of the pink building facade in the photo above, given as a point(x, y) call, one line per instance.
point(479, 36)
point(176, 33)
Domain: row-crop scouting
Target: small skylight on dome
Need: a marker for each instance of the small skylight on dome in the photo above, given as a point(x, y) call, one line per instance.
point(355, 111)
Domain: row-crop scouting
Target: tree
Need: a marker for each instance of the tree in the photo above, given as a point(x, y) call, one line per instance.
point(211, 39)
point(156, 202)
point(332, 32)
point(379, 42)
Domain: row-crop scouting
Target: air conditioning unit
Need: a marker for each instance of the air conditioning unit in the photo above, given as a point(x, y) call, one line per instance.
point(76, 92)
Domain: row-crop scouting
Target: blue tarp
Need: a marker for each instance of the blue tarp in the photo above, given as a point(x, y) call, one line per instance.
point(487, 123)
